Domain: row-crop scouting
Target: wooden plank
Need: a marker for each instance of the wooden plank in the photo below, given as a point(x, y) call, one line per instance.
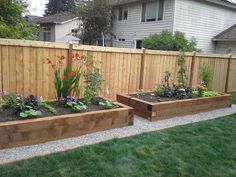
point(19, 70)
point(227, 75)
point(12, 69)
point(5, 69)
point(169, 109)
point(33, 71)
point(40, 61)
point(33, 131)
point(141, 85)
point(1, 75)
point(26, 71)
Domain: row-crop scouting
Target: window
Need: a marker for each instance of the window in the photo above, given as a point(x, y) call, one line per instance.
point(121, 39)
point(46, 34)
point(74, 32)
point(139, 44)
point(122, 14)
point(152, 11)
point(125, 14)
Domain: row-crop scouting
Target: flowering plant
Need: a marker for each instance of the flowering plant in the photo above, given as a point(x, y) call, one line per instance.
point(66, 81)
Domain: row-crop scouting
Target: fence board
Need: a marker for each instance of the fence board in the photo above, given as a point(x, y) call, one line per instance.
point(23, 68)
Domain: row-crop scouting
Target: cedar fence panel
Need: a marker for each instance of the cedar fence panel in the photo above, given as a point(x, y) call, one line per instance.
point(23, 68)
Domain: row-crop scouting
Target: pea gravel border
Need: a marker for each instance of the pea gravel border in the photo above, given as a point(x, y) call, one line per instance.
point(140, 126)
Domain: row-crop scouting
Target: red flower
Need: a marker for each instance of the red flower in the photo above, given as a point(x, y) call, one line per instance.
point(72, 74)
point(62, 57)
point(77, 55)
point(49, 61)
point(53, 66)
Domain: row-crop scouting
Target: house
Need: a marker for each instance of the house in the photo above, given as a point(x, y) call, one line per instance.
point(225, 42)
point(199, 19)
point(60, 27)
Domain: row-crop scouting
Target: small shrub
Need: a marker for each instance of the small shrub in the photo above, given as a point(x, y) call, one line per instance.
point(167, 41)
point(30, 113)
point(207, 74)
point(47, 106)
point(93, 80)
point(182, 76)
point(108, 104)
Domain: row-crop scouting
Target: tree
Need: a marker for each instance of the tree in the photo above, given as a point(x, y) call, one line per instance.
point(168, 41)
point(96, 18)
point(57, 6)
point(12, 22)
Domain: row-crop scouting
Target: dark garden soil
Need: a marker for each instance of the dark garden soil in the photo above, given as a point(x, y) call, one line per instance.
point(151, 97)
point(8, 115)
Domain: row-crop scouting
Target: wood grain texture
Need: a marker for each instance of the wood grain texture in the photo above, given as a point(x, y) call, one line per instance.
point(24, 69)
point(169, 109)
point(33, 131)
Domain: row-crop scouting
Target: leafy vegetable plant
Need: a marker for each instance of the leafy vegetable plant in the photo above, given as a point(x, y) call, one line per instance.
point(77, 106)
point(30, 113)
point(108, 104)
point(47, 106)
point(93, 79)
point(206, 74)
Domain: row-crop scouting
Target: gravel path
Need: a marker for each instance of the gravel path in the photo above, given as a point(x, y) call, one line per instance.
point(140, 126)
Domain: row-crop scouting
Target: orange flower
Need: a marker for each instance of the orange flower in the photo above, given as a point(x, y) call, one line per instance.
point(77, 55)
point(62, 57)
point(72, 74)
point(49, 61)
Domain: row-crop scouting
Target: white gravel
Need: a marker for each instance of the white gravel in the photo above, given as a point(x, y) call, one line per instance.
point(140, 126)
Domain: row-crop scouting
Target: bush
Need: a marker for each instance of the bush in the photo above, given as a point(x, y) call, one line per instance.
point(167, 41)
point(207, 74)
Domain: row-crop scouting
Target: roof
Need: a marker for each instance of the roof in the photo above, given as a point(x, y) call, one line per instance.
point(225, 3)
point(32, 19)
point(59, 18)
point(227, 35)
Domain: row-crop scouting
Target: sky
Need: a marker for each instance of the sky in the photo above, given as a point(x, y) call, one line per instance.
point(37, 7)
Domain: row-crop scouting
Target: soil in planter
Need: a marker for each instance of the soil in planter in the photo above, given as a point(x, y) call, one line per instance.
point(8, 115)
point(151, 97)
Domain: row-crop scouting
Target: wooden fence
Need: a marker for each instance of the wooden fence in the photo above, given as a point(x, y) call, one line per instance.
point(23, 67)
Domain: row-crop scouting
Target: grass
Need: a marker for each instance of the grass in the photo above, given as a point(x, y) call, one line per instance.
point(200, 149)
point(234, 98)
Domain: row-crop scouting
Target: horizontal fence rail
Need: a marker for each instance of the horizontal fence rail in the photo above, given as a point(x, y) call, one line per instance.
point(23, 68)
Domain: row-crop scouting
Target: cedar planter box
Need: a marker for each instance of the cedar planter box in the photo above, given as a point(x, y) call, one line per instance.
point(40, 130)
point(164, 110)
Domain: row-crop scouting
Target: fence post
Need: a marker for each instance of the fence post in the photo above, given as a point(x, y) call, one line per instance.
point(227, 75)
point(70, 54)
point(192, 69)
point(142, 68)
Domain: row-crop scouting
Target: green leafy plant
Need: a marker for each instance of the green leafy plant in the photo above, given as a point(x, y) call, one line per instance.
point(201, 89)
point(169, 41)
point(210, 94)
point(77, 106)
point(167, 77)
point(207, 74)
point(182, 76)
point(159, 91)
point(93, 80)
point(108, 104)
point(47, 106)
point(30, 113)
point(66, 81)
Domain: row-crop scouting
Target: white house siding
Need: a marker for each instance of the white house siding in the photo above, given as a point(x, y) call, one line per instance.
point(202, 21)
point(64, 29)
point(133, 29)
point(226, 48)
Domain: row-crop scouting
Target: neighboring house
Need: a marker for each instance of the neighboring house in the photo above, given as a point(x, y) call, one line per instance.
point(225, 42)
point(199, 19)
point(59, 27)
point(33, 19)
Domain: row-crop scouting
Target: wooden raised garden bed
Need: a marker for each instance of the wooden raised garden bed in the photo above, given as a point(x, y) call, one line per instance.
point(33, 131)
point(167, 109)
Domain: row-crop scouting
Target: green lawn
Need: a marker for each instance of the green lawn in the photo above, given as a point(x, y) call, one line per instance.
point(200, 149)
point(234, 98)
